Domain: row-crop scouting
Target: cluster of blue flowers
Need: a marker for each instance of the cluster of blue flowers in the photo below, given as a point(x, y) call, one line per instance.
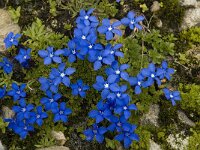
point(115, 105)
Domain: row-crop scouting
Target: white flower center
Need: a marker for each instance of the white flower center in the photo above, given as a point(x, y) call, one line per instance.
point(117, 71)
point(112, 52)
point(23, 109)
point(38, 116)
point(90, 46)
point(79, 89)
point(51, 55)
point(83, 37)
point(106, 85)
point(7, 65)
point(61, 112)
point(119, 124)
point(139, 83)
point(152, 75)
point(86, 17)
point(74, 51)
point(125, 108)
point(110, 28)
point(100, 58)
point(171, 96)
point(18, 92)
point(95, 131)
point(51, 100)
point(132, 21)
point(25, 128)
point(62, 75)
point(118, 94)
point(25, 56)
point(11, 40)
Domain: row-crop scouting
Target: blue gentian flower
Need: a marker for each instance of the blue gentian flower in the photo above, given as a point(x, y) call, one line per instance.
point(137, 82)
point(73, 52)
point(101, 57)
point(125, 108)
point(93, 51)
point(23, 111)
point(119, 93)
point(2, 92)
point(11, 40)
point(6, 65)
point(23, 55)
point(114, 50)
point(105, 86)
point(17, 92)
point(96, 132)
point(39, 116)
point(61, 74)
point(51, 100)
point(172, 95)
point(118, 1)
point(127, 135)
point(101, 113)
point(85, 19)
point(165, 71)
point(117, 71)
point(60, 114)
point(151, 74)
point(117, 123)
point(109, 29)
point(48, 84)
point(79, 88)
point(132, 21)
point(49, 55)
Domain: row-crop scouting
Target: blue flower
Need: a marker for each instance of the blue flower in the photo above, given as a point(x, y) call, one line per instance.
point(132, 21)
point(39, 116)
point(114, 50)
point(151, 74)
point(49, 55)
point(105, 86)
point(137, 82)
point(48, 84)
point(117, 71)
point(79, 88)
point(86, 20)
point(165, 71)
point(51, 100)
point(23, 111)
point(11, 40)
point(96, 132)
point(172, 95)
point(23, 55)
point(118, 1)
point(109, 29)
point(117, 123)
point(101, 113)
point(73, 51)
point(60, 114)
point(127, 135)
point(2, 92)
point(6, 65)
point(125, 108)
point(61, 74)
point(119, 93)
point(17, 92)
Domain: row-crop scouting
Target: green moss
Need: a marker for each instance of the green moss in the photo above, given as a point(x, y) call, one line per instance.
point(194, 141)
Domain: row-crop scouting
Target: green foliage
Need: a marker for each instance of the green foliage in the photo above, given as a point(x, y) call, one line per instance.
point(190, 95)
point(45, 142)
point(15, 13)
point(194, 141)
point(53, 5)
point(3, 125)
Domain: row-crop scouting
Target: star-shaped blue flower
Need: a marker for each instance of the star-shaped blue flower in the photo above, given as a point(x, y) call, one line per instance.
point(49, 55)
point(79, 88)
point(61, 74)
point(48, 84)
point(114, 50)
point(132, 21)
point(61, 114)
point(11, 40)
point(23, 55)
point(6, 65)
point(17, 92)
point(2, 92)
point(165, 71)
point(137, 82)
point(109, 29)
point(173, 96)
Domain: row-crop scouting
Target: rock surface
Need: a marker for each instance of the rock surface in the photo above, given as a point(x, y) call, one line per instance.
point(154, 146)
point(155, 6)
point(178, 141)
point(188, 2)
point(7, 112)
point(1, 146)
point(191, 18)
point(55, 148)
point(184, 119)
point(152, 116)
point(6, 26)
point(59, 137)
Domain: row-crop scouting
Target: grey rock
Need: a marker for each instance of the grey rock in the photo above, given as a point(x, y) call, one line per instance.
point(7, 112)
point(184, 119)
point(1, 146)
point(154, 146)
point(155, 6)
point(55, 148)
point(152, 116)
point(191, 18)
point(188, 2)
point(6, 26)
point(59, 137)
point(178, 141)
